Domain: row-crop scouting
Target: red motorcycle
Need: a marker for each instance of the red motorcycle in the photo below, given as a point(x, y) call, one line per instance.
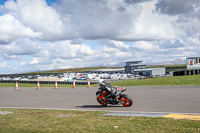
point(104, 96)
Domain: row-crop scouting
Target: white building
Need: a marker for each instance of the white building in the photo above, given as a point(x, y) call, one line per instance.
point(109, 71)
point(193, 63)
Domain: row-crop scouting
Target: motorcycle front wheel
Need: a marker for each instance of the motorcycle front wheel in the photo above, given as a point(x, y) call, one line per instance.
point(126, 100)
point(101, 102)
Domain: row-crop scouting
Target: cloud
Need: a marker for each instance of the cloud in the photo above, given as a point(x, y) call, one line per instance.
point(81, 33)
point(62, 53)
point(16, 50)
point(117, 20)
point(170, 44)
point(12, 29)
point(40, 17)
point(178, 7)
point(20, 47)
point(114, 45)
point(187, 13)
point(135, 1)
point(94, 19)
point(65, 49)
point(20, 57)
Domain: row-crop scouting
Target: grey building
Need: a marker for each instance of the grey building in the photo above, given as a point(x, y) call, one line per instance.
point(132, 65)
point(150, 72)
point(137, 68)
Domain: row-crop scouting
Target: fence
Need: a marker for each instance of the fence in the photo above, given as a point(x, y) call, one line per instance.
point(47, 82)
point(186, 72)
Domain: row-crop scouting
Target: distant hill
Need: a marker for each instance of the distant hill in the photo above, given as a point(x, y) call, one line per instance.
point(169, 68)
point(84, 69)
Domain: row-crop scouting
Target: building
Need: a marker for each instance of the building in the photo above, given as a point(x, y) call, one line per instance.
point(131, 65)
point(109, 71)
point(137, 68)
point(193, 63)
point(150, 72)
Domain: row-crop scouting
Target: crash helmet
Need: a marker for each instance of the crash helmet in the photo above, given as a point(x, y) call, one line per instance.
point(100, 81)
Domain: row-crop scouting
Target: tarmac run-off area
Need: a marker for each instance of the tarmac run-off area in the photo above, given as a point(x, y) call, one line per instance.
point(179, 102)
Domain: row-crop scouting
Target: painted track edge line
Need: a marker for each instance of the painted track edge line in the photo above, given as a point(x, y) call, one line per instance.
point(103, 110)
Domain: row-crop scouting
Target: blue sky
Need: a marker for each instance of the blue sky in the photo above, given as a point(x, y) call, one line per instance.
point(2, 1)
point(48, 1)
point(58, 34)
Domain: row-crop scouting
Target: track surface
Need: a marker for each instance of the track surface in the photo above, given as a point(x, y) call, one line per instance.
point(179, 99)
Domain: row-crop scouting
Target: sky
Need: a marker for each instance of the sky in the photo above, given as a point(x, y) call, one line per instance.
point(39, 35)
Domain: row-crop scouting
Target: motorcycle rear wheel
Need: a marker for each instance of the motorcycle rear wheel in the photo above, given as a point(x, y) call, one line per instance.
point(126, 100)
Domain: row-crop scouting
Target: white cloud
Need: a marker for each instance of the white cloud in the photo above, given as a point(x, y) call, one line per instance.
point(66, 50)
point(94, 19)
point(151, 26)
point(3, 64)
point(146, 46)
point(40, 17)
point(75, 33)
point(11, 28)
point(20, 47)
point(34, 61)
point(187, 13)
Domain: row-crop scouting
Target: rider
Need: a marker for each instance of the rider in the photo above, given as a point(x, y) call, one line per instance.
point(107, 87)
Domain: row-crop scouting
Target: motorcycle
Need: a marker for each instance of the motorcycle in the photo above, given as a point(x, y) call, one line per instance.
point(104, 98)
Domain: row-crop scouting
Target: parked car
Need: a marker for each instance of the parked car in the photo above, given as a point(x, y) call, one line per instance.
point(82, 78)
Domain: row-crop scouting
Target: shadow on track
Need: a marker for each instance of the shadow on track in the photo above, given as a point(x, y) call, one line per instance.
point(97, 106)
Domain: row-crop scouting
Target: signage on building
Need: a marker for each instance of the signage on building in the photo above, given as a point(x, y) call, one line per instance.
point(193, 63)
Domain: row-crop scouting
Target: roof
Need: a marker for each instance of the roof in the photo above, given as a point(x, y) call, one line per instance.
point(108, 70)
point(133, 61)
point(137, 65)
point(192, 57)
point(147, 69)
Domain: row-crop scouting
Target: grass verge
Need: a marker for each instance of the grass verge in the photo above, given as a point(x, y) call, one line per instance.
point(57, 121)
point(164, 81)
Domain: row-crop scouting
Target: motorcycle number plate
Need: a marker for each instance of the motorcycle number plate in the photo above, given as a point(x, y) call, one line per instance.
point(120, 88)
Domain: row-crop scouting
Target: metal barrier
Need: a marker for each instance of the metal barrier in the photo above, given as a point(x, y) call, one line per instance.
point(47, 82)
point(186, 72)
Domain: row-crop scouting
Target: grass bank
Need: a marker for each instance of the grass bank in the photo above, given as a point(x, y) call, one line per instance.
point(164, 81)
point(57, 121)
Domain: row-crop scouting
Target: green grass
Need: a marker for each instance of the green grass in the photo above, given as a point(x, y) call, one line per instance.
point(59, 121)
point(164, 81)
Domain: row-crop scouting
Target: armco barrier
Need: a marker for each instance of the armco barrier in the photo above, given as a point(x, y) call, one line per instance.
point(47, 82)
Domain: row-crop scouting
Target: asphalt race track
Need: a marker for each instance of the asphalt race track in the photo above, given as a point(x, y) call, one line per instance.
point(177, 99)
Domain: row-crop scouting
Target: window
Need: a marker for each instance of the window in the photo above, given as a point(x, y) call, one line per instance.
point(141, 67)
point(198, 60)
point(195, 61)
